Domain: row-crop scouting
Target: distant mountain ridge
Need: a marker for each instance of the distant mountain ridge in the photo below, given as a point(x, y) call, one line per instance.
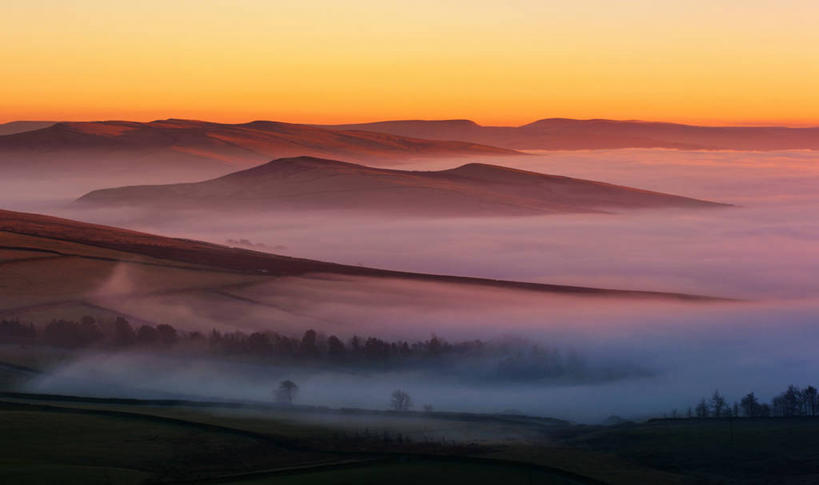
point(14, 127)
point(202, 148)
point(320, 184)
point(572, 134)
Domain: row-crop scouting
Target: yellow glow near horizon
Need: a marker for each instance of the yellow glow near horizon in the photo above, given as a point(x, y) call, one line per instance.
point(497, 62)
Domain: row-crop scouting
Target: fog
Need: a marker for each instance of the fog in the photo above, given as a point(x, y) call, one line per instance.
point(762, 248)
point(674, 354)
point(764, 251)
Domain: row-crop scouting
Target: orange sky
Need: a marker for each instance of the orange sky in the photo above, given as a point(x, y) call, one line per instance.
point(497, 62)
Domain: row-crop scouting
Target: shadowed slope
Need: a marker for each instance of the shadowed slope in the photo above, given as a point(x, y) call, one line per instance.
point(239, 261)
point(312, 183)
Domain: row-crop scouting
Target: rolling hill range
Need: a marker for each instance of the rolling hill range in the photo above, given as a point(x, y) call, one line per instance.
point(569, 134)
point(203, 149)
point(14, 127)
point(58, 268)
point(319, 184)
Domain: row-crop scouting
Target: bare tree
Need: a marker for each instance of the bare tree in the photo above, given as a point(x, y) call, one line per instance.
point(718, 404)
point(750, 405)
point(309, 344)
point(286, 392)
point(335, 347)
point(400, 401)
point(124, 334)
point(809, 395)
point(702, 409)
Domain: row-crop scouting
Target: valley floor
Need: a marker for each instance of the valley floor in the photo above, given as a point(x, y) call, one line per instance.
point(93, 440)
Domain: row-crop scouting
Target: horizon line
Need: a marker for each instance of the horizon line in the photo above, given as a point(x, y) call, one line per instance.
point(233, 121)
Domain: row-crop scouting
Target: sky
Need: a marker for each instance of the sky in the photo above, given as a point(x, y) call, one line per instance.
point(497, 62)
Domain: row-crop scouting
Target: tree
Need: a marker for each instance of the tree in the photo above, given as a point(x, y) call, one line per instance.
point(750, 405)
point(123, 333)
point(718, 404)
point(400, 401)
point(702, 409)
point(88, 330)
point(146, 335)
point(166, 334)
point(309, 346)
point(789, 403)
point(12, 331)
point(335, 347)
point(259, 344)
point(809, 395)
point(434, 345)
point(64, 333)
point(778, 406)
point(286, 392)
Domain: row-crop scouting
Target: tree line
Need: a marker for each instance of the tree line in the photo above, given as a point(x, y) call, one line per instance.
point(511, 359)
point(794, 401)
point(88, 332)
point(508, 360)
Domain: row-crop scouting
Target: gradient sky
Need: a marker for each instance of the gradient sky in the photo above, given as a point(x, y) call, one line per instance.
point(498, 62)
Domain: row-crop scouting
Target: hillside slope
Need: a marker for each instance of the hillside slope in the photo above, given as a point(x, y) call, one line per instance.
point(31, 238)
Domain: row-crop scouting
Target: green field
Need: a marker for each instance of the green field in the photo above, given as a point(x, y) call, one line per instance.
point(411, 472)
point(47, 439)
point(48, 443)
point(76, 439)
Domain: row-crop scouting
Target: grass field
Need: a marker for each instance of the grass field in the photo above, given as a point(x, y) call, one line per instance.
point(105, 441)
point(80, 444)
point(744, 450)
point(48, 443)
point(412, 472)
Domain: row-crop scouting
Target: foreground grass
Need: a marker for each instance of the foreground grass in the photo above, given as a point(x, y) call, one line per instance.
point(39, 442)
point(81, 440)
point(46, 443)
point(452, 472)
point(758, 450)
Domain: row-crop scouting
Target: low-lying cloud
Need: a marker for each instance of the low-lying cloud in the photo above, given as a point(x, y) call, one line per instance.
point(764, 251)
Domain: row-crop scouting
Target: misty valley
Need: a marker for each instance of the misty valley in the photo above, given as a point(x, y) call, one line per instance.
point(562, 302)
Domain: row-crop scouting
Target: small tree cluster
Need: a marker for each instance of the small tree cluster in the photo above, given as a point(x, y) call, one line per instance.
point(400, 401)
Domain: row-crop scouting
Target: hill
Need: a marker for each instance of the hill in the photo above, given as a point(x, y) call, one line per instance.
point(13, 127)
point(569, 134)
point(468, 190)
point(58, 268)
point(202, 148)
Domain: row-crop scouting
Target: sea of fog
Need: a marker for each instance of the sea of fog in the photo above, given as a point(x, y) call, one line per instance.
point(763, 251)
